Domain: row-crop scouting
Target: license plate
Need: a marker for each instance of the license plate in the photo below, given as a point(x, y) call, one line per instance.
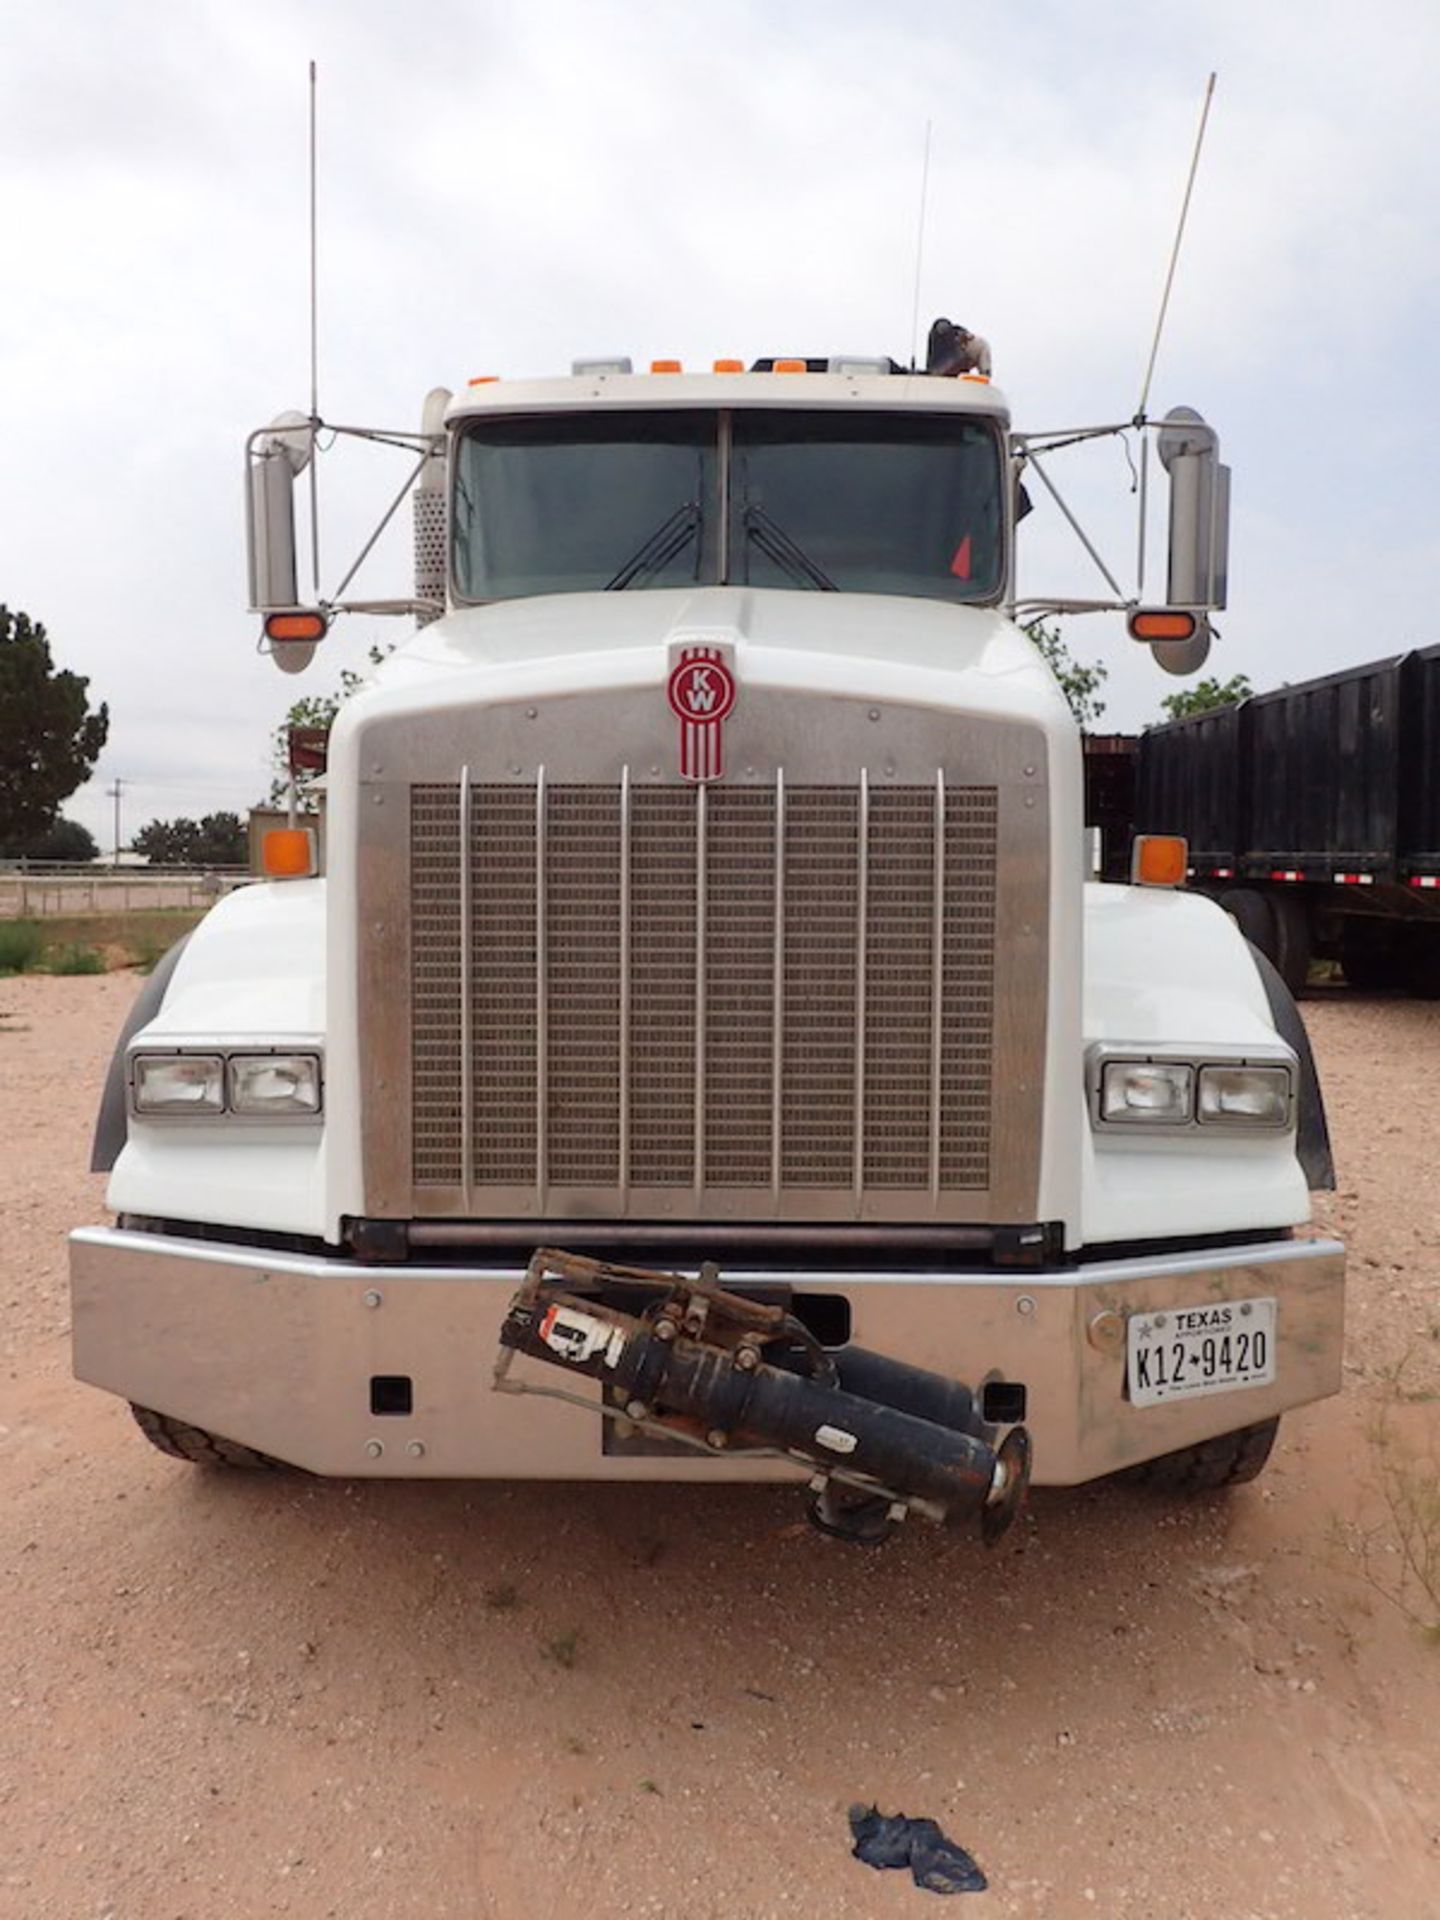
point(1183, 1352)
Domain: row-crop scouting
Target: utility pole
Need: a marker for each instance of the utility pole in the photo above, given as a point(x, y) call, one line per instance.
point(114, 793)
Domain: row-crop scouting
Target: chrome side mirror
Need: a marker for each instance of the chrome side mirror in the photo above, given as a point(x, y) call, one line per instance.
point(273, 458)
point(1199, 511)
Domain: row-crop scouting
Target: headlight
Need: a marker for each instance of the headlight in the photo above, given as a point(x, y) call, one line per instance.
point(1245, 1096)
point(179, 1083)
point(274, 1083)
point(1147, 1092)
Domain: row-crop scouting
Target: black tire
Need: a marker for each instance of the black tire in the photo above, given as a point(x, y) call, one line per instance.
point(1420, 962)
point(1229, 1460)
point(1370, 957)
point(1293, 939)
point(1253, 913)
point(201, 1449)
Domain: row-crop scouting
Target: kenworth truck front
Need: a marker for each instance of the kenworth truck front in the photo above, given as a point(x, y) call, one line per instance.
point(703, 1016)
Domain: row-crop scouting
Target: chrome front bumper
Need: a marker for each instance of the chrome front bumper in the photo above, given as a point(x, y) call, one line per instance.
point(280, 1352)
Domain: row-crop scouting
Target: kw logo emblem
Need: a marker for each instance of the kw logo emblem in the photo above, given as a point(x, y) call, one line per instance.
point(701, 692)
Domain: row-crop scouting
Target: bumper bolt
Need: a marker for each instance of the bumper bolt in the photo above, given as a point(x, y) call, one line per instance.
point(374, 1448)
point(1107, 1331)
point(416, 1449)
point(373, 1297)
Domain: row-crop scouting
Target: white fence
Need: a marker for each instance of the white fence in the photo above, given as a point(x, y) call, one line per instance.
point(38, 892)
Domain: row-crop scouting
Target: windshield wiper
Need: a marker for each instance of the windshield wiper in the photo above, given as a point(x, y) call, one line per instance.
point(669, 538)
point(776, 545)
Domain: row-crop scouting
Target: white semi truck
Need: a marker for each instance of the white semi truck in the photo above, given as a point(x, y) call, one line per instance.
point(703, 1016)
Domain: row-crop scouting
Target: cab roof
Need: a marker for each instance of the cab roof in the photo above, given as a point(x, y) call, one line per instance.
point(592, 391)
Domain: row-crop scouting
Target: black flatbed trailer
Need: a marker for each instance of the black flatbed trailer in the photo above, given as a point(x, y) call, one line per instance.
point(1313, 814)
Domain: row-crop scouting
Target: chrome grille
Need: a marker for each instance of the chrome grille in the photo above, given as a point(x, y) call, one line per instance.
point(743, 990)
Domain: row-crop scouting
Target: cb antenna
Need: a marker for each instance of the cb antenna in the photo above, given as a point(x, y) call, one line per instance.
point(314, 356)
point(919, 249)
point(1175, 250)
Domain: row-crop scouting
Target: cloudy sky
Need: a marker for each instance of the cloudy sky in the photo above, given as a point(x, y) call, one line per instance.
point(507, 186)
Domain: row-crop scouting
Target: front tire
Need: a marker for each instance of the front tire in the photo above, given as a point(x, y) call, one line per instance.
point(184, 1442)
point(1253, 913)
point(1229, 1460)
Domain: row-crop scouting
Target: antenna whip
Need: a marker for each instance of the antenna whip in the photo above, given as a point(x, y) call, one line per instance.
point(314, 358)
point(1175, 250)
point(920, 249)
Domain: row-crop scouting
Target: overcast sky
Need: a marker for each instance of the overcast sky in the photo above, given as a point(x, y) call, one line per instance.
point(505, 187)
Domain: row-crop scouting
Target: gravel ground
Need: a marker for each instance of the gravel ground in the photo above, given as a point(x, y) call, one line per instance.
point(231, 1697)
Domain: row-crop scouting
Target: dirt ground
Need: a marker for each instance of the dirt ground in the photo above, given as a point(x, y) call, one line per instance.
point(226, 1696)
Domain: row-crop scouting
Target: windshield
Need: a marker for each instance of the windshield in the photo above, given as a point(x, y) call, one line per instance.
point(866, 503)
point(821, 501)
point(567, 503)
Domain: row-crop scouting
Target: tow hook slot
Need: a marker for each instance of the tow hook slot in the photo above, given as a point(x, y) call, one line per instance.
point(686, 1360)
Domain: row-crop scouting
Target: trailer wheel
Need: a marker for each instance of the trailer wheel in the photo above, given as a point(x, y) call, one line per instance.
point(1254, 914)
point(1229, 1460)
point(1293, 940)
point(201, 1449)
point(1370, 957)
point(1420, 962)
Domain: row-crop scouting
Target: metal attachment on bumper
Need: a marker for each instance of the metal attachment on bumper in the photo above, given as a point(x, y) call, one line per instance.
point(685, 1359)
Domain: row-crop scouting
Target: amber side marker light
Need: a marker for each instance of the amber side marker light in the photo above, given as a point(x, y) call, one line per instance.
point(791, 366)
point(666, 366)
point(1160, 623)
point(729, 366)
point(1159, 860)
point(295, 626)
point(288, 853)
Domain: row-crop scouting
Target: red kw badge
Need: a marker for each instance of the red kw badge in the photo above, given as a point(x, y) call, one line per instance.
point(701, 693)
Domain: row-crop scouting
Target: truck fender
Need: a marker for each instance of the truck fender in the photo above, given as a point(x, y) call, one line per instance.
point(1312, 1136)
point(111, 1124)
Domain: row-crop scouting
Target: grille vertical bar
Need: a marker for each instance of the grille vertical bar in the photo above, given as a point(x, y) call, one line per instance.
point(937, 975)
point(662, 1022)
point(623, 1066)
point(467, 969)
point(436, 972)
point(862, 1009)
point(819, 934)
point(542, 1000)
point(502, 982)
point(966, 1064)
point(740, 991)
point(777, 998)
point(904, 1013)
point(585, 974)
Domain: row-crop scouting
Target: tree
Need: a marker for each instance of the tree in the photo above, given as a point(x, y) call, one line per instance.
point(49, 738)
point(1206, 695)
point(66, 840)
point(219, 840)
point(1079, 683)
point(315, 710)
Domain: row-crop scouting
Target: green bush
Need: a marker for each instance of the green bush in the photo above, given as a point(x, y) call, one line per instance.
point(20, 944)
point(76, 959)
